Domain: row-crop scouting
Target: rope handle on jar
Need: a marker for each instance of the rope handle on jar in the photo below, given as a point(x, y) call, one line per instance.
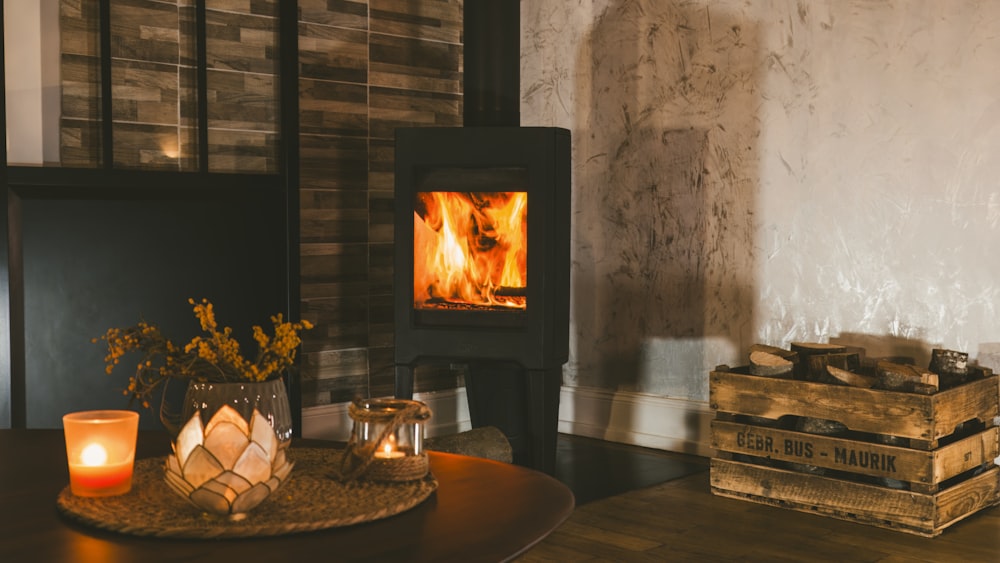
point(356, 460)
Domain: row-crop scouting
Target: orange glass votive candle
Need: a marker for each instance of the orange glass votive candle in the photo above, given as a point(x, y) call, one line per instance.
point(100, 450)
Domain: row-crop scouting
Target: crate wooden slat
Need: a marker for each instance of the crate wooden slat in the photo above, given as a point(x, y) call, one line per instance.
point(906, 511)
point(862, 458)
point(907, 415)
point(935, 478)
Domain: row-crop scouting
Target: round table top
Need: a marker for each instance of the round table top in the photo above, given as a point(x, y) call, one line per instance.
point(482, 510)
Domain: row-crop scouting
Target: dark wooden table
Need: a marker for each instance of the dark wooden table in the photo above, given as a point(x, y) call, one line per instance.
point(482, 511)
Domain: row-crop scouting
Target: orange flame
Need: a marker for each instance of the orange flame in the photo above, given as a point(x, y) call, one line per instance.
point(469, 245)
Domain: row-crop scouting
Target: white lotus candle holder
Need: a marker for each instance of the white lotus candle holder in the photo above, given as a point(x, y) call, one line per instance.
point(227, 467)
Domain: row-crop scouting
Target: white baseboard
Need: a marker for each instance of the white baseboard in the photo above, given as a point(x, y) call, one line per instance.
point(332, 422)
point(639, 419)
point(651, 421)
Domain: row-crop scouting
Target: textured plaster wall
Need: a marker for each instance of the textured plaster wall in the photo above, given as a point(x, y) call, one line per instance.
point(771, 171)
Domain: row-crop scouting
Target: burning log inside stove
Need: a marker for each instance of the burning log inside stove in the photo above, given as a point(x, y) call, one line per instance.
point(446, 305)
point(511, 292)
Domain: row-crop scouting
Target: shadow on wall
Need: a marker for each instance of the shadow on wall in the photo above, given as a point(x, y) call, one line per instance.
point(666, 181)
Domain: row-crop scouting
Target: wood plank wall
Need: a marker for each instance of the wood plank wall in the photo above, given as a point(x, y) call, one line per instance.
point(154, 108)
point(366, 67)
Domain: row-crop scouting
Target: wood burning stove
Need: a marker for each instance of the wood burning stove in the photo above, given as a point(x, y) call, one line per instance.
point(482, 271)
point(482, 245)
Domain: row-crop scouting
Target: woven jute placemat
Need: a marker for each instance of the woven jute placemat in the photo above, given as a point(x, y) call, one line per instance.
point(310, 500)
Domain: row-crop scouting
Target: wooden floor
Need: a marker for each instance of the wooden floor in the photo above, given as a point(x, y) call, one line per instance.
point(680, 520)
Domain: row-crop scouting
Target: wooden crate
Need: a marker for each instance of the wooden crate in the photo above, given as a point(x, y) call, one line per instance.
point(936, 478)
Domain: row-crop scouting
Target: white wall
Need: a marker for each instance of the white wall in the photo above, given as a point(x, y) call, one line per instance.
point(771, 171)
point(31, 61)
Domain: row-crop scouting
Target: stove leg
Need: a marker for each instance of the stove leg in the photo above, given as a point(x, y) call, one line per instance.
point(543, 398)
point(522, 403)
point(404, 381)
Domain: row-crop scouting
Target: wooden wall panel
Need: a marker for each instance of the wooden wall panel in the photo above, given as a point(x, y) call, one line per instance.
point(79, 135)
point(415, 79)
point(333, 108)
point(333, 53)
point(414, 64)
point(333, 123)
point(144, 31)
point(392, 107)
point(352, 14)
point(433, 20)
point(246, 43)
point(366, 69)
point(242, 151)
point(153, 77)
point(146, 146)
point(243, 100)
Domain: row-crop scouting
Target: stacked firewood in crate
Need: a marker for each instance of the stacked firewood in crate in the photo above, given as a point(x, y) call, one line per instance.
point(843, 365)
point(823, 428)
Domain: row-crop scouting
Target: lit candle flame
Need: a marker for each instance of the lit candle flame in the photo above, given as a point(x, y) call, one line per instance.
point(94, 455)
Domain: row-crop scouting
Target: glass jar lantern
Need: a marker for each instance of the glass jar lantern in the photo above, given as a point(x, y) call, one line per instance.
point(389, 437)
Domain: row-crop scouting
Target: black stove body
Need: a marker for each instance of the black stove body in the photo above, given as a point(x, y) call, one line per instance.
point(514, 355)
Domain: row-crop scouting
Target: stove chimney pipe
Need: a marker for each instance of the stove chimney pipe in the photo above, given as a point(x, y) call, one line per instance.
point(492, 63)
